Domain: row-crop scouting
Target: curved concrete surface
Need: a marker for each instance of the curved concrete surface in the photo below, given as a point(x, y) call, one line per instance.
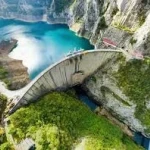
point(68, 72)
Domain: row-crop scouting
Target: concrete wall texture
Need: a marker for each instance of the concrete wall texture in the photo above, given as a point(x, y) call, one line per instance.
point(68, 72)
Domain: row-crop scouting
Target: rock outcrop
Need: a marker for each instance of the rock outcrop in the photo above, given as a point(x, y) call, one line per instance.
point(12, 71)
point(130, 102)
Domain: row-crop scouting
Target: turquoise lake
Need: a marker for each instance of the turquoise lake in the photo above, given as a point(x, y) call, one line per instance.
point(40, 44)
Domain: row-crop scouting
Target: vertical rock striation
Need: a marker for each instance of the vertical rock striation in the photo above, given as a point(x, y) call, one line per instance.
point(120, 20)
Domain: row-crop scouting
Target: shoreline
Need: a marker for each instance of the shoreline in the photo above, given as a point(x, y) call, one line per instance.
point(50, 23)
point(34, 21)
point(13, 73)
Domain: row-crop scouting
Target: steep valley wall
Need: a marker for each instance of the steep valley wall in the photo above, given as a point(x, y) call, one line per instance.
point(126, 22)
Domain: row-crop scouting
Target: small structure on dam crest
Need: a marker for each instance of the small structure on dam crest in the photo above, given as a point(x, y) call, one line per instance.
point(68, 72)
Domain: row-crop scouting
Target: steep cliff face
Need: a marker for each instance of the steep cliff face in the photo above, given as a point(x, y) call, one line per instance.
point(29, 10)
point(125, 22)
point(122, 21)
point(123, 89)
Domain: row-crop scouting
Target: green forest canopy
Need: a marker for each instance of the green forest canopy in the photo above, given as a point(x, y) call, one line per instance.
point(4, 145)
point(59, 121)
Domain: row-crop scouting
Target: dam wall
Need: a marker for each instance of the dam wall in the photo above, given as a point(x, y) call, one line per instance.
point(70, 71)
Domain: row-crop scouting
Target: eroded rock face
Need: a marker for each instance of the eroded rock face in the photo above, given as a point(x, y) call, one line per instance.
point(30, 10)
point(13, 72)
point(120, 20)
point(103, 87)
point(143, 37)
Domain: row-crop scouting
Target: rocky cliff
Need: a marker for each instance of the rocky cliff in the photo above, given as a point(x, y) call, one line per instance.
point(126, 22)
point(123, 89)
point(12, 72)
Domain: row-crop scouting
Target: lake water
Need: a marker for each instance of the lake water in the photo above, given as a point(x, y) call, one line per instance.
point(40, 44)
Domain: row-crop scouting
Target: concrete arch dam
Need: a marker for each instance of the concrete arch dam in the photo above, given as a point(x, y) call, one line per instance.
point(68, 72)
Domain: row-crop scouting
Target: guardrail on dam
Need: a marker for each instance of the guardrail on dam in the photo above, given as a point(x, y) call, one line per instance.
point(68, 72)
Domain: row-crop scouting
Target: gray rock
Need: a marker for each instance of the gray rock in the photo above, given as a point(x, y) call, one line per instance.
point(104, 89)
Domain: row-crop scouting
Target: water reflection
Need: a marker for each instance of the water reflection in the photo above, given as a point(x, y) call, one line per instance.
point(40, 44)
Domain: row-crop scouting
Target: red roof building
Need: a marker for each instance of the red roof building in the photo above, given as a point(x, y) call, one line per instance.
point(108, 42)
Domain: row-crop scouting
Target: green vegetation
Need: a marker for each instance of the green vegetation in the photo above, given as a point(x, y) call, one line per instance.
point(107, 90)
point(59, 121)
point(4, 76)
point(134, 78)
point(103, 11)
point(3, 101)
point(142, 17)
point(102, 24)
point(131, 30)
point(4, 145)
point(141, 20)
point(93, 78)
point(61, 5)
point(114, 12)
point(133, 41)
point(124, 28)
point(3, 73)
